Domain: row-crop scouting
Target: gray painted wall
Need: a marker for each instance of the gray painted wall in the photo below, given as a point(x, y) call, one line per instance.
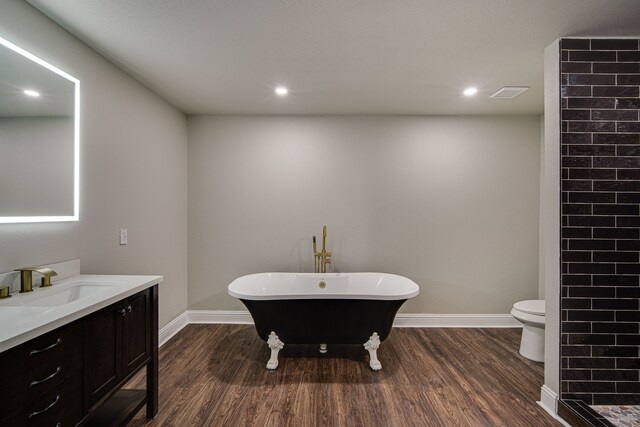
point(450, 202)
point(133, 171)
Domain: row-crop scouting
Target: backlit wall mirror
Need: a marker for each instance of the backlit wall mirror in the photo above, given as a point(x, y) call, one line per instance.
point(39, 139)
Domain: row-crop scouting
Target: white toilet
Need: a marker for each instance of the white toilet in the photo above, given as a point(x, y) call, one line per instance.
point(531, 314)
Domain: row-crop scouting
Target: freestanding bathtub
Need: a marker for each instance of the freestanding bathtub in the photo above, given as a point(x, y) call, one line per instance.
point(323, 308)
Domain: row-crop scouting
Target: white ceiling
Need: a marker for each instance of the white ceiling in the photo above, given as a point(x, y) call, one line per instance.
point(338, 56)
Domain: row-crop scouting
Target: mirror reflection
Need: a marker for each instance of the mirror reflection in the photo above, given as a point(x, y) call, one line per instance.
point(38, 139)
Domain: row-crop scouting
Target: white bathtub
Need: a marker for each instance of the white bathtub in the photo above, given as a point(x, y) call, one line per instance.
point(323, 308)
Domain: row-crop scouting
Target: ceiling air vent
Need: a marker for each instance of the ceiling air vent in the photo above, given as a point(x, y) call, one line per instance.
point(509, 92)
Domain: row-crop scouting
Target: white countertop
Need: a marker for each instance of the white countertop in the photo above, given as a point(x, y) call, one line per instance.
point(26, 316)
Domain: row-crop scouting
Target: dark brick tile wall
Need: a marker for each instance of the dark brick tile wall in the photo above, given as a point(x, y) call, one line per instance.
point(600, 229)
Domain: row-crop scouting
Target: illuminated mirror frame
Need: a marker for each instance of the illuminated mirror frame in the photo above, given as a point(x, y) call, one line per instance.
point(76, 143)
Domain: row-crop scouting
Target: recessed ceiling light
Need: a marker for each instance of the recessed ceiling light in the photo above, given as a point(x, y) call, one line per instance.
point(470, 91)
point(32, 93)
point(281, 91)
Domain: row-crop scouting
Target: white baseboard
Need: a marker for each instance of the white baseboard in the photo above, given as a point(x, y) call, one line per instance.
point(234, 317)
point(409, 320)
point(238, 317)
point(172, 328)
point(548, 399)
point(549, 402)
point(402, 320)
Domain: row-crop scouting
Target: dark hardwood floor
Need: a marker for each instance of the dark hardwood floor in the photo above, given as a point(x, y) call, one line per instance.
point(215, 375)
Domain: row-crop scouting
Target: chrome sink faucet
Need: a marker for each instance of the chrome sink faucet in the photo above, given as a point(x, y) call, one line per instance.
point(26, 277)
point(322, 258)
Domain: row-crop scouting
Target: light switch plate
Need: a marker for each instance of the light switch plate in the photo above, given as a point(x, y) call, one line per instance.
point(123, 236)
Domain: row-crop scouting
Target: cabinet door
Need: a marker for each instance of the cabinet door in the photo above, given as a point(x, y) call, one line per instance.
point(102, 361)
point(136, 347)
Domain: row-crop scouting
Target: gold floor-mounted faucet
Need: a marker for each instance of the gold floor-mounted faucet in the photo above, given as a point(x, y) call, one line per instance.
point(322, 258)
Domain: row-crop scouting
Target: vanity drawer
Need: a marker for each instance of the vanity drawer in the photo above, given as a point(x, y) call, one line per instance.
point(61, 406)
point(40, 364)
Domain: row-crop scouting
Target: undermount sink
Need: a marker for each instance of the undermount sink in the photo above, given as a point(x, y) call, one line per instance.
point(52, 297)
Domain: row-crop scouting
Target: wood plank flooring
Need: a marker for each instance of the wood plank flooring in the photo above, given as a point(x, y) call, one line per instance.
point(215, 375)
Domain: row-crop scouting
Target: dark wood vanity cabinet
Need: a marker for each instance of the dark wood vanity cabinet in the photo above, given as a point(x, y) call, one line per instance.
point(74, 374)
point(120, 340)
point(117, 343)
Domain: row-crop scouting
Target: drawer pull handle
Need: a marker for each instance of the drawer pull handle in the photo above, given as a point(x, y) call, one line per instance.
point(36, 382)
point(122, 312)
point(129, 309)
point(51, 405)
point(55, 344)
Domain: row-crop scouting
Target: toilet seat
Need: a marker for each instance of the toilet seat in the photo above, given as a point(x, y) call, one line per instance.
point(527, 318)
point(530, 311)
point(535, 307)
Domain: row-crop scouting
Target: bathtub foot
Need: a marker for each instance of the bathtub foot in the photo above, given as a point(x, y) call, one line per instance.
point(323, 348)
point(372, 347)
point(275, 345)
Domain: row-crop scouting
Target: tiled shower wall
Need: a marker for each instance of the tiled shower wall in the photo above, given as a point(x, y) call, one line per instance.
point(600, 158)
